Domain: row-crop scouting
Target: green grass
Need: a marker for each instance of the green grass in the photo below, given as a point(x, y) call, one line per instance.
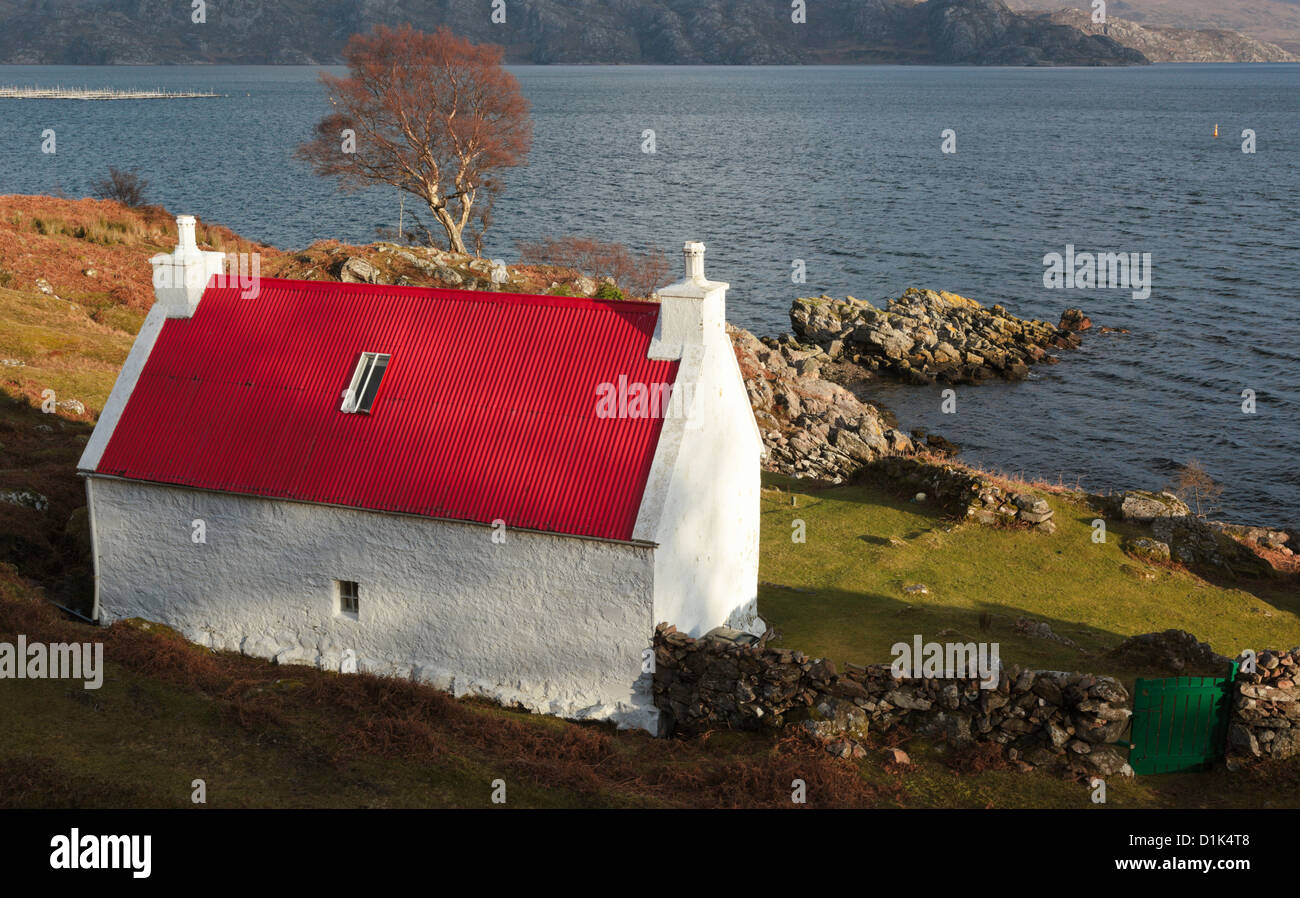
point(141, 740)
point(841, 593)
point(63, 346)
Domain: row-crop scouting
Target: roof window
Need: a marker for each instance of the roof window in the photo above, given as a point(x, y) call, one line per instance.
point(359, 397)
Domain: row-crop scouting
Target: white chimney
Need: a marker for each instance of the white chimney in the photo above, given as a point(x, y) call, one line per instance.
point(691, 311)
point(179, 278)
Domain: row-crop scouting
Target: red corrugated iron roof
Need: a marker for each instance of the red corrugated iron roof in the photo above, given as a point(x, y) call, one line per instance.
point(487, 409)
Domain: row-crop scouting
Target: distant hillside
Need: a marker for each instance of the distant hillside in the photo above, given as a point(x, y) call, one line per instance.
point(978, 32)
point(1163, 43)
point(1274, 21)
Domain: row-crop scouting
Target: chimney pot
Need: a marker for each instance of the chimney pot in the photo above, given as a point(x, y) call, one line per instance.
point(694, 253)
point(185, 239)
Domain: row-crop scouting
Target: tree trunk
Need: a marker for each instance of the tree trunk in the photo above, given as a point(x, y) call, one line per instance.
point(455, 242)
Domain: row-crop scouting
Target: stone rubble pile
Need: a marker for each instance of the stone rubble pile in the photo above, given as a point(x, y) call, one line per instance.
point(966, 493)
point(1266, 708)
point(1266, 538)
point(1043, 718)
point(926, 336)
point(1176, 652)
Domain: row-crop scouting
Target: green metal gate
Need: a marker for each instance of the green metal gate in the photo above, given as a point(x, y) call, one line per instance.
point(1179, 723)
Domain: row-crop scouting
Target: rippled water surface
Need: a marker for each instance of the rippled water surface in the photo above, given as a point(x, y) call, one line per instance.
point(841, 167)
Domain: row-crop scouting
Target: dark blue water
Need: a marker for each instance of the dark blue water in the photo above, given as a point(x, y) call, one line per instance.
point(842, 167)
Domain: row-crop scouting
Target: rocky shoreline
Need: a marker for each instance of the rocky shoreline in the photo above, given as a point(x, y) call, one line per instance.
point(807, 390)
point(924, 336)
point(806, 387)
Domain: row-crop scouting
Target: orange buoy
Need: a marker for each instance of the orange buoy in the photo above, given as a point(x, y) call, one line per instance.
point(1216, 129)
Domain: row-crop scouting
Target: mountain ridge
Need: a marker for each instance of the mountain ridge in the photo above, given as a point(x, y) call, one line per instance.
point(729, 32)
point(1165, 43)
point(1274, 21)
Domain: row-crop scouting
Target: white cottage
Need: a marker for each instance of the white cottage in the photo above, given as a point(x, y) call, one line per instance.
point(498, 494)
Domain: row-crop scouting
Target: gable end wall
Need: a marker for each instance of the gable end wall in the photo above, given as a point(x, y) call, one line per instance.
point(706, 566)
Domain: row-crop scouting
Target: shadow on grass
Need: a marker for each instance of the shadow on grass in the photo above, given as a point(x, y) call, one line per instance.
point(1275, 588)
point(49, 545)
point(872, 492)
point(862, 628)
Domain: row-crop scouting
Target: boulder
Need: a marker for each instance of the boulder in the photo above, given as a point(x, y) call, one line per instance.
point(1074, 320)
point(1241, 741)
point(1141, 505)
point(356, 270)
point(1147, 549)
point(1107, 760)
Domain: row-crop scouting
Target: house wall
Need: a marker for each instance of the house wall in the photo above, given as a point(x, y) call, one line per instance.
point(555, 624)
point(706, 567)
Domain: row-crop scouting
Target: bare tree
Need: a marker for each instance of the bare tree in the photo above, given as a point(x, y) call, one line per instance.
point(124, 186)
point(641, 273)
point(432, 114)
point(1195, 485)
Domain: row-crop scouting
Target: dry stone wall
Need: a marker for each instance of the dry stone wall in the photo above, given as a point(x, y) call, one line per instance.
point(1043, 718)
point(1266, 708)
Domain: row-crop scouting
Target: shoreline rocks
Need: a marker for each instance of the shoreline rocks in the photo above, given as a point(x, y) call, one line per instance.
point(1074, 320)
point(810, 426)
point(925, 336)
point(816, 427)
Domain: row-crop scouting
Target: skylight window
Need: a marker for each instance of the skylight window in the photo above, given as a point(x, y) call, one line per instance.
point(360, 394)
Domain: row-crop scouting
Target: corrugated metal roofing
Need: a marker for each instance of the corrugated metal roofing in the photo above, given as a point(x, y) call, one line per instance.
point(487, 409)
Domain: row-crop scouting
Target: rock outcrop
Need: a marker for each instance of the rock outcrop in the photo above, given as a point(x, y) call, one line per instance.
point(1180, 536)
point(1145, 506)
point(1175, 652)
point(987, 32)
point(925, 336)
point(811, 427)
point(1163, 43)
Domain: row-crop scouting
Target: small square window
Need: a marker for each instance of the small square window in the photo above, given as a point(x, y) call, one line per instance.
point(347, 599)
point(359, 397)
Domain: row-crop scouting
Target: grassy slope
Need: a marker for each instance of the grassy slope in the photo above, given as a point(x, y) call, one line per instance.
point(841, 594)
point(266, 736)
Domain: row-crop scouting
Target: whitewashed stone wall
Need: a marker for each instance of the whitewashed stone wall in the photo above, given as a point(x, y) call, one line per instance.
point(702, 499)
point(706, 566)
point(554, 624)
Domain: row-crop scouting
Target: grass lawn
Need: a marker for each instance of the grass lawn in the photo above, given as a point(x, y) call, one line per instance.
point(841, 594)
